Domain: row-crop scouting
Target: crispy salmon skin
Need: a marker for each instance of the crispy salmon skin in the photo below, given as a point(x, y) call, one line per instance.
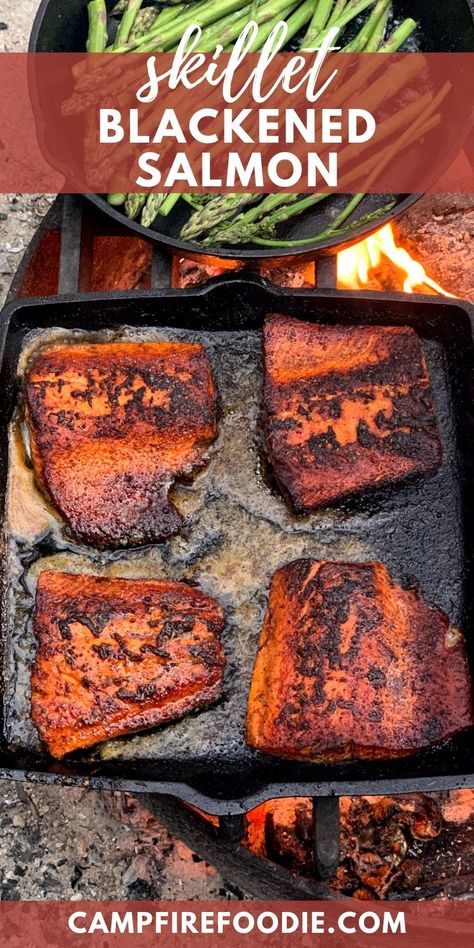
point(350, 665)
point(116, 656)
point(345, 409)
point(112, 425)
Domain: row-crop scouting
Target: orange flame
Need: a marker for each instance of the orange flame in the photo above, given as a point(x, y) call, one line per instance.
point(354, 265)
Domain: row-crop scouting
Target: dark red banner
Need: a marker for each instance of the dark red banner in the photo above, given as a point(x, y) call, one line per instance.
point(237, 924)
point(123, 123)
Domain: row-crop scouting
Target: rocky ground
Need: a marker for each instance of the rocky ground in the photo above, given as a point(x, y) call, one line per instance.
point(69, 844)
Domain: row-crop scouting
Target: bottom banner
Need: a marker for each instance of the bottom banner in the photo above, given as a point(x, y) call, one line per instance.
point(235, 924)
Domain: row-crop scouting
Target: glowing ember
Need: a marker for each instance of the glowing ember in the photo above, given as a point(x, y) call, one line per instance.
point(357, 265)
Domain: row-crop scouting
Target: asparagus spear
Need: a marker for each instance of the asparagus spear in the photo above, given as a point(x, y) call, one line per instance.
point(97, 38)
point(152, 206)
point(119, 8)
point(236, 230)
point(245, 230)
point(223, 207)
point(267, 14)
point(194, 200)
point(203, 13)
point(329, 231)
point(298, 19)
point(399, 36)
point(338, 8)
point(377, 36)
point(134, 204)
point(168, 204)
point(226, 30)
point(168, 14)
point(359, 42)
point(352, 9)
point(265, 29)
point(345, 213)
point(116, 200)
point(144, 20)
point(150, 18)
point(202, 198)
point(364, 219)
point(319, 20)
point(127, 23)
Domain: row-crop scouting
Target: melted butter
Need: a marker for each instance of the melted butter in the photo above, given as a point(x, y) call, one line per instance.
point(28, 514)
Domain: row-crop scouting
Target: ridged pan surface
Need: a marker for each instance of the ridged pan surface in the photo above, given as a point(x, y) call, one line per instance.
point(61, 25)
point(237, 531)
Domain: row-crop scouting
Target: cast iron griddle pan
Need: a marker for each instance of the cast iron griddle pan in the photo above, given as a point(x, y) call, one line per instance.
point(443, 26)
point(237, 531)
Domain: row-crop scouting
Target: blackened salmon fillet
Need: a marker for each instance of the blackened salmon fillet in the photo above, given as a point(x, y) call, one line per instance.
point(116, 656)
point(351, 665)
point(112, 425)
point(346, 408)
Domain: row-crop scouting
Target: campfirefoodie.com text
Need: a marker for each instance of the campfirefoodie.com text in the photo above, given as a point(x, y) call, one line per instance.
point(240, 923)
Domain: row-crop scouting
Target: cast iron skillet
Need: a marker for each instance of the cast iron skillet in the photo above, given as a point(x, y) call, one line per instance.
point(444, 26)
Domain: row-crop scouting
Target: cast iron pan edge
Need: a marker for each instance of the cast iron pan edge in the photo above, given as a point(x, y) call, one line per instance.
point(242, 795)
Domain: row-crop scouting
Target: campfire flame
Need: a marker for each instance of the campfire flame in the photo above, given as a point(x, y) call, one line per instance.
point(358, 265)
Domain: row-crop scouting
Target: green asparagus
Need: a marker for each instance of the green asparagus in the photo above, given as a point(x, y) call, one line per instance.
point(203, 13)
point(298, 19)
point(168, 204)
point(399, 36)
point(329, 231)
point(338, 8)
point(127, 23)
point(421, 124)
point(144, 20)
point(223, 207)
point(226, 30)
point(97, 38)
point(116, 200)
point(152, 206)
point(320, 17)
point(265, 29)
point(134, 204)
point(376, 38)
point(352, 9)
point(119, 8)
point(240, 229)
point(359, 43)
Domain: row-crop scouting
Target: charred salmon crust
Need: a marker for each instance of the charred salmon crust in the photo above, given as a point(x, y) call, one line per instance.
point(112, 425)
point(345, 409)
point(116, 656)
point(350, 665)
